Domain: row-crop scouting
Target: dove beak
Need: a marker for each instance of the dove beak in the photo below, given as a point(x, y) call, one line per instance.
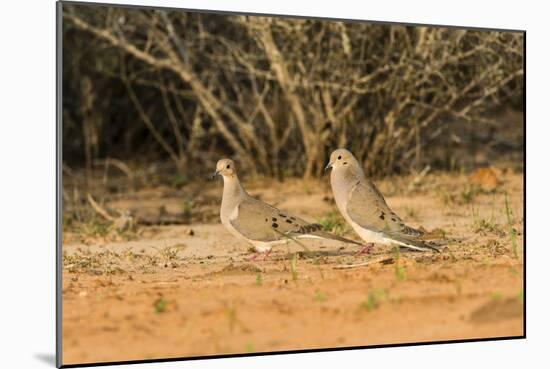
point(329, 165)
point(215, 174)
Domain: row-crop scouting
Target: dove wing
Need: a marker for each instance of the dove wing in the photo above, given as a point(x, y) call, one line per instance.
point(367, 207)
point(259, 221)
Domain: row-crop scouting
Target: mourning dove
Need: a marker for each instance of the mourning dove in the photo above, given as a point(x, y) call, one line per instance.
point(256, 222)
point(364, 207)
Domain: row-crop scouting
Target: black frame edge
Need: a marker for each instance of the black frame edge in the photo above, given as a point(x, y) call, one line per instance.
point(59, 178)
point(287, 352)
point(525, 184)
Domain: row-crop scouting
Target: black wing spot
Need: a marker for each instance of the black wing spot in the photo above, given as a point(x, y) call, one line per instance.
point(274, 219)
point(393, 219)
point(288, 221)
point(310, 228)
point(282, 215)
point(382, 216)
point(267, 220)
point(292, 218)
point(274, 225)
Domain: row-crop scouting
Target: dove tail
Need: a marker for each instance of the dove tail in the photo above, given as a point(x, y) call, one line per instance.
point(314, 230)
point(330, 236)
point(418, 245)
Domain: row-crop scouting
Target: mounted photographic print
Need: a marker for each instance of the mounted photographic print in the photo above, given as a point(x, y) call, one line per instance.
point(241, 184)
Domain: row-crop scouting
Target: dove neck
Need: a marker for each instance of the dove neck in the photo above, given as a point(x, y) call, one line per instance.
point(350, 174)
point(232, 188)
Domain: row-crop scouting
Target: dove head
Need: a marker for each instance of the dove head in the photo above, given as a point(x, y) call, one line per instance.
point(342, 159)
point(225, 168)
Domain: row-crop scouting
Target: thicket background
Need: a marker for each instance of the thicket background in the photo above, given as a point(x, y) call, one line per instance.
point(177, 90)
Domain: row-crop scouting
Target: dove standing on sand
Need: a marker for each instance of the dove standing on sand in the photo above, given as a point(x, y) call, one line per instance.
point(364, 207)
point(256, 222)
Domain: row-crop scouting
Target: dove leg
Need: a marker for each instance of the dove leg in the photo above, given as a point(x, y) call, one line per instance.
point(253, 257)
point(366, 249)
point(266, 254)
point(258, 253)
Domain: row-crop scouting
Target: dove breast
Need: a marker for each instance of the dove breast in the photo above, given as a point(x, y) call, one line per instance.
point(341, 188)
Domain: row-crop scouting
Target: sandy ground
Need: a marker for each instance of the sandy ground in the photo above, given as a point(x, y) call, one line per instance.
point(189, 290)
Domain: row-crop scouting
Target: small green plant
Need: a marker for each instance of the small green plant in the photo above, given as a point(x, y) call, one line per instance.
point(370, 303)
point(249, 347)
point(374, 297)
point(187, 206)
point(468, 194)
point(496, 295)
point(179, 180)
point(160, 305)
point(519, 295)
point(411, 213)
point(487, 226)
point(446, 197)
point(168, 252)
point(168, 256)
point(293, 270)
point(96, 227)
point(259, 280)
point(67, 221)
point(511, 230)
point(400, 274)
point(317, 264)
point(333, 222)
point(320, 296)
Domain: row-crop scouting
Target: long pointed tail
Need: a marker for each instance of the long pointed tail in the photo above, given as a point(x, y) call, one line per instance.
point(315, 230)
point(330, 236)
point(419, 245)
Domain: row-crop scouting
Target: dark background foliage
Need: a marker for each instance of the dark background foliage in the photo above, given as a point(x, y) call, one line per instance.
point(183, 89)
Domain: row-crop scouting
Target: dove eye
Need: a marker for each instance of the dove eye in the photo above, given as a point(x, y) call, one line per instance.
point(228, 166)
point(339, 157)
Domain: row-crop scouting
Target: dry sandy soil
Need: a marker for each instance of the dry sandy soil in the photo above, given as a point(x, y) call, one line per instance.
point(189, 290)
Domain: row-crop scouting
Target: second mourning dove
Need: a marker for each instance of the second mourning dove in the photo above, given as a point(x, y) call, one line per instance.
point(364, 207)
point(256, 222)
